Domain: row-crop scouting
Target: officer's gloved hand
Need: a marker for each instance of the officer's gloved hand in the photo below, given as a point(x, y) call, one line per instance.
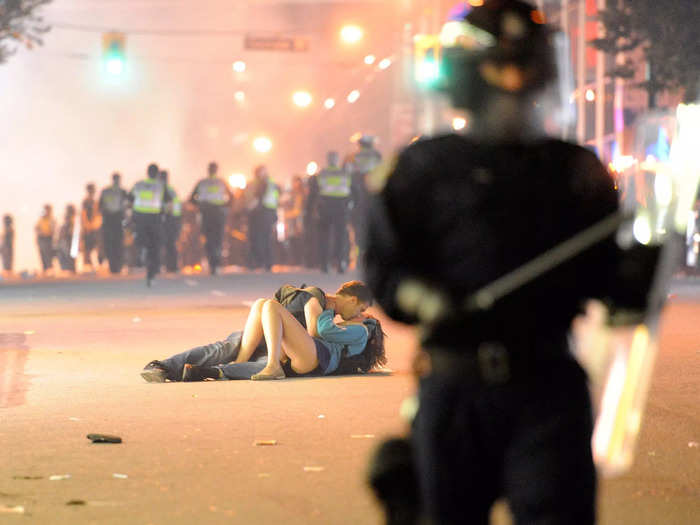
point(423, 301)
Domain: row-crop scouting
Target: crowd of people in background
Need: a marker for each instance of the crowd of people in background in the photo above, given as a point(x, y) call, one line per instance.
point(311, 221)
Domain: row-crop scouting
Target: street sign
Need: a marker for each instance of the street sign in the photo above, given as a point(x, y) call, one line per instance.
point(276, 43)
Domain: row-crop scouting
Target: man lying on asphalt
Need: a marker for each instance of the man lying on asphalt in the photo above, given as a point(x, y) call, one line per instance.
point(304, 303)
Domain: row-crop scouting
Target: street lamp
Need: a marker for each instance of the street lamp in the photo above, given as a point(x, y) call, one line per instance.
point(237, 180)
point(353, 96)
point(239, 66)
point(329, 103)
point(302, 99)
point(312, 168)
point(385, 63)
point(351, 34)
point(239, 96)
point(369, 59)
point(459, 123)
point(262, 144)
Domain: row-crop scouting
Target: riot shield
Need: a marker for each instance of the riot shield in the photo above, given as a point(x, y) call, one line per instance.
point(620, 356)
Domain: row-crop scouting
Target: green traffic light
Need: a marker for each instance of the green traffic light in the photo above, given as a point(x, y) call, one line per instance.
point(115, 66)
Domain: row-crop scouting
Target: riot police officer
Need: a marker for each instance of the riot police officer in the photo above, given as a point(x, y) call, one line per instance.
point(212, 195)
point(148, 199)
point(362, 162)
point(504, 408)
point(172, 224)
point(262, 221)
point(114, 201)
point(334, 190)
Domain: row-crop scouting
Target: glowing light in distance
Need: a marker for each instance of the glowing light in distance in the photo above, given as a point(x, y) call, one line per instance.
point(476, 3)
point(370, 59)
point(302, 99)
point(355, 137)
point(239, 66)
point(262, 144)
point(590, 95)
point(353, 96)
point(384, 63)
point(312, 168)
point(115, 66)
point(351, 34)
point(237, 180)
point(459, 123)
point(329, 103)
point(239, 96)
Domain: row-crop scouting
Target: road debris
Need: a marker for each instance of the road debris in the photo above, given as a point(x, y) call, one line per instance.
point(321, 416)
point(27, 477)
point(76, 502)
point(104, 438)
point(362, 436)
point(120, 476)
point(136, 320)
point(59, 477)
point(693, 444)
point(265, 443)
point(17, 509)
point(73, 419)
point(314, 469)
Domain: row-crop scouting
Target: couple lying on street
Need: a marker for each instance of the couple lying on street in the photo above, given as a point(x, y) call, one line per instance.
point(292, 335)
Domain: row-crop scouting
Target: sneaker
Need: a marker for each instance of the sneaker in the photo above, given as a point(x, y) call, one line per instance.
point(154, 372)
point(199, 373)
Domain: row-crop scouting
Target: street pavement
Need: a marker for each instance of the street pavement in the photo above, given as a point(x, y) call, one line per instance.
point(188, 453)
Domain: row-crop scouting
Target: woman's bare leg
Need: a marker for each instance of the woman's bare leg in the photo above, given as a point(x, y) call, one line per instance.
point(252, 332)
point(284, 334)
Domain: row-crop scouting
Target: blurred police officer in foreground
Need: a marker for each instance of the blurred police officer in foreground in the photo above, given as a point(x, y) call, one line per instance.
point(114, 201)
point(148, 199)
point(212, 195)
point(504, 408)
point(172, 224)
point(334, 189)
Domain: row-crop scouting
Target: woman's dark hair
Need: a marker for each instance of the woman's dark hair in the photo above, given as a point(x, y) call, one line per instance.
point(373, 354)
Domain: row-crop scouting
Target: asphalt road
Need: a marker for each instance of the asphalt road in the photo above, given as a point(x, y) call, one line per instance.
point(188, 452)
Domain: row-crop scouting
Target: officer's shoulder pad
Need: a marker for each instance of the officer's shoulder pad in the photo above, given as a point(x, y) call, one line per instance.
point(379, 176)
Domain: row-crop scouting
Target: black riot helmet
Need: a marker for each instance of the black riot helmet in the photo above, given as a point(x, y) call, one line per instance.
point(501, 46)
point(152, 171)
point(212, 168)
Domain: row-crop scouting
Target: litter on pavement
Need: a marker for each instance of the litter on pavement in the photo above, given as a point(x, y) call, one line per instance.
point(265, 442)
point(59, 477)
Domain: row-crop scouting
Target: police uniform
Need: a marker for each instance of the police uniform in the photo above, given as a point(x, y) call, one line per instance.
point(334, 189)
point(267, 235)
point(113, 203)
point(363, 163)
point(212, 195)
point(149, 198)
point(172, 226)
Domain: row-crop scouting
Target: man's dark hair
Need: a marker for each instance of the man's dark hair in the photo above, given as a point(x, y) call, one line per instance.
point(152, 170)
point(356, 289)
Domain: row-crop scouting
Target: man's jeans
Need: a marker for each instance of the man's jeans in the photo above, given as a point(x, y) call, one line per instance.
point(220, 354)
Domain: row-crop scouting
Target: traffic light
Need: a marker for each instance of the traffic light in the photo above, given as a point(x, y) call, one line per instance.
point(113, 55)
point(426, 59)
